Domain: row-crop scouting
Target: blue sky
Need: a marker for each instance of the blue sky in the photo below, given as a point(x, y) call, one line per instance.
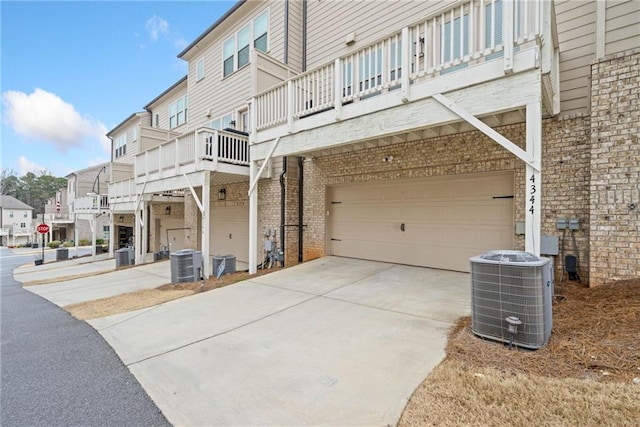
point(71, 71)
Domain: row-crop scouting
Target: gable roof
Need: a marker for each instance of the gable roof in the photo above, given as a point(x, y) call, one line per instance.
point(10, 202)
point(212, 27)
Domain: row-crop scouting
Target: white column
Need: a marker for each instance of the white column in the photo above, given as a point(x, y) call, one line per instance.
point(137, 236)
point(206, 205)
point(533, 179)
point(253, 219)
point(143, 233)
point(92, 224)
point(112, 235)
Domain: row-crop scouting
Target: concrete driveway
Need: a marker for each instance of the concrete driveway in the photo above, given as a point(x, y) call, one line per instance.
point(331, 341)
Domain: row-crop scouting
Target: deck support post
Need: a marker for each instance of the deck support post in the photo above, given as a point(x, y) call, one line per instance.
point(533, 177)
point(253, 217)
point(206, 197)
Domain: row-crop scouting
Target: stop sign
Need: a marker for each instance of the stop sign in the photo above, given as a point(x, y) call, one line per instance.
point(43, 228)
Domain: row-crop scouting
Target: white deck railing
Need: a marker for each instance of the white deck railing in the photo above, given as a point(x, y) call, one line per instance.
point(122, 191)
point(198, 150)
point(91, 203)
point(467, 32)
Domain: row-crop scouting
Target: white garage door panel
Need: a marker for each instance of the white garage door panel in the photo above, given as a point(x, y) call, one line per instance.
point(446, 220)
point(230, 231)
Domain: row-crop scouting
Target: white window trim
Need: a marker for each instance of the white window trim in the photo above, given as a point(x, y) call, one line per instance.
point(221, 118)
point(199, 66)
point(185, 109)
point(120, 145)
point(252, 40)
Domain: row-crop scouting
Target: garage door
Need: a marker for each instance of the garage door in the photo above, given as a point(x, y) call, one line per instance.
point(437, 222)
point(230, 231)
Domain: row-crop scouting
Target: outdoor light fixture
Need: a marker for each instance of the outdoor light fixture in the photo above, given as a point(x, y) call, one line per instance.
point(167, 210)
point(513, 322)
point(120, 218)
point(232, 123)
point(222, 194)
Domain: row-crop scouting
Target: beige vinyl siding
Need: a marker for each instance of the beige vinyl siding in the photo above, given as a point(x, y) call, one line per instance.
point(131, 146)
point(220, 95)
point(329, 22)
point(145, 119)
point(622, 26)
point(576, 22)
point(161, 106)
point(295, 35)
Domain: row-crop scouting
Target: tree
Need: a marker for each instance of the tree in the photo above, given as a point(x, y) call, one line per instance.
point(32, 189)
point(8, 182)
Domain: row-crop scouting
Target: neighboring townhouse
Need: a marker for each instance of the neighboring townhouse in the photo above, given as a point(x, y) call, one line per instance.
point(58, 215)
point(430, 132)
point(164, 209)
point(84, 207)
point(412, 132)
point(204, 156)
point(16, 223)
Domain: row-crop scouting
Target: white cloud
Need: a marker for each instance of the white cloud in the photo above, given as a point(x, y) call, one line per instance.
point(156, 26)
point(180, 42)
point(101, 136)
point(24, 165)
point(45, 117)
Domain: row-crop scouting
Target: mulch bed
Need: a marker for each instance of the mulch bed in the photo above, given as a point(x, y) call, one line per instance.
point(596, 335)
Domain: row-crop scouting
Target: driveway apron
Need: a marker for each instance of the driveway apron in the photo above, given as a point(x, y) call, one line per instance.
point(331, 341)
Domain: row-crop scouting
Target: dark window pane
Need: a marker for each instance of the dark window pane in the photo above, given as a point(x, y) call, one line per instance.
point(243, 56)
point(261, 43)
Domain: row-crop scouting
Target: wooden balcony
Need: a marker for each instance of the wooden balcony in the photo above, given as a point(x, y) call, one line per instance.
point(488, 57)
point(91, 204)
point(55, 215)
point(163, 167)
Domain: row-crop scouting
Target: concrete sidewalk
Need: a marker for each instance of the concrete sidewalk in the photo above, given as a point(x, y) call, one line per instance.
point(331, 341)
point(100, 279)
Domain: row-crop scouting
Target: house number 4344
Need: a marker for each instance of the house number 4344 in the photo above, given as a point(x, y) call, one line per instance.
point(532, 193)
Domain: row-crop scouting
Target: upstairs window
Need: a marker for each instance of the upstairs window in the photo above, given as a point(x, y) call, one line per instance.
point(200, 69)
point(260, 32)
point(228, 51)
point(222, 122)
point(178, 112)
point(157, 120)
point(493, 33)
point(120, 146)
point(236, 49)
point(243, 47)
point(454, 46)
point(134, 134)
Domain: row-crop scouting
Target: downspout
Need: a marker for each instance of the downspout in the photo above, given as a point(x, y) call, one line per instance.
point(304, 35)
point(111, 147)
point(300, 206)
point(282, 205)
point(286, 32)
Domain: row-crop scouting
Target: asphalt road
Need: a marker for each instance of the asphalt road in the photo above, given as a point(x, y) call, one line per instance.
point(58, 371)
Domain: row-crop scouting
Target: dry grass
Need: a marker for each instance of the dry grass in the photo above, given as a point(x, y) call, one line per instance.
point(150, 297)
point(583, 376)
point(61, 279)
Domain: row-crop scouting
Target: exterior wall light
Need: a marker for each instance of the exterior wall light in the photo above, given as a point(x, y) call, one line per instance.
point(167, 210)
point(222, 194)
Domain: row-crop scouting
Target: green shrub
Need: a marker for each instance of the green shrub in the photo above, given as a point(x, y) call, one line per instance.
point(85, 242)
point(54, 244)
point(99, 241)
point(67, 244)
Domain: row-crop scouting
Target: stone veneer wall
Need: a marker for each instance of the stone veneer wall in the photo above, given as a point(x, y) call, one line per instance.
point(564, 189)
point(615, 168)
